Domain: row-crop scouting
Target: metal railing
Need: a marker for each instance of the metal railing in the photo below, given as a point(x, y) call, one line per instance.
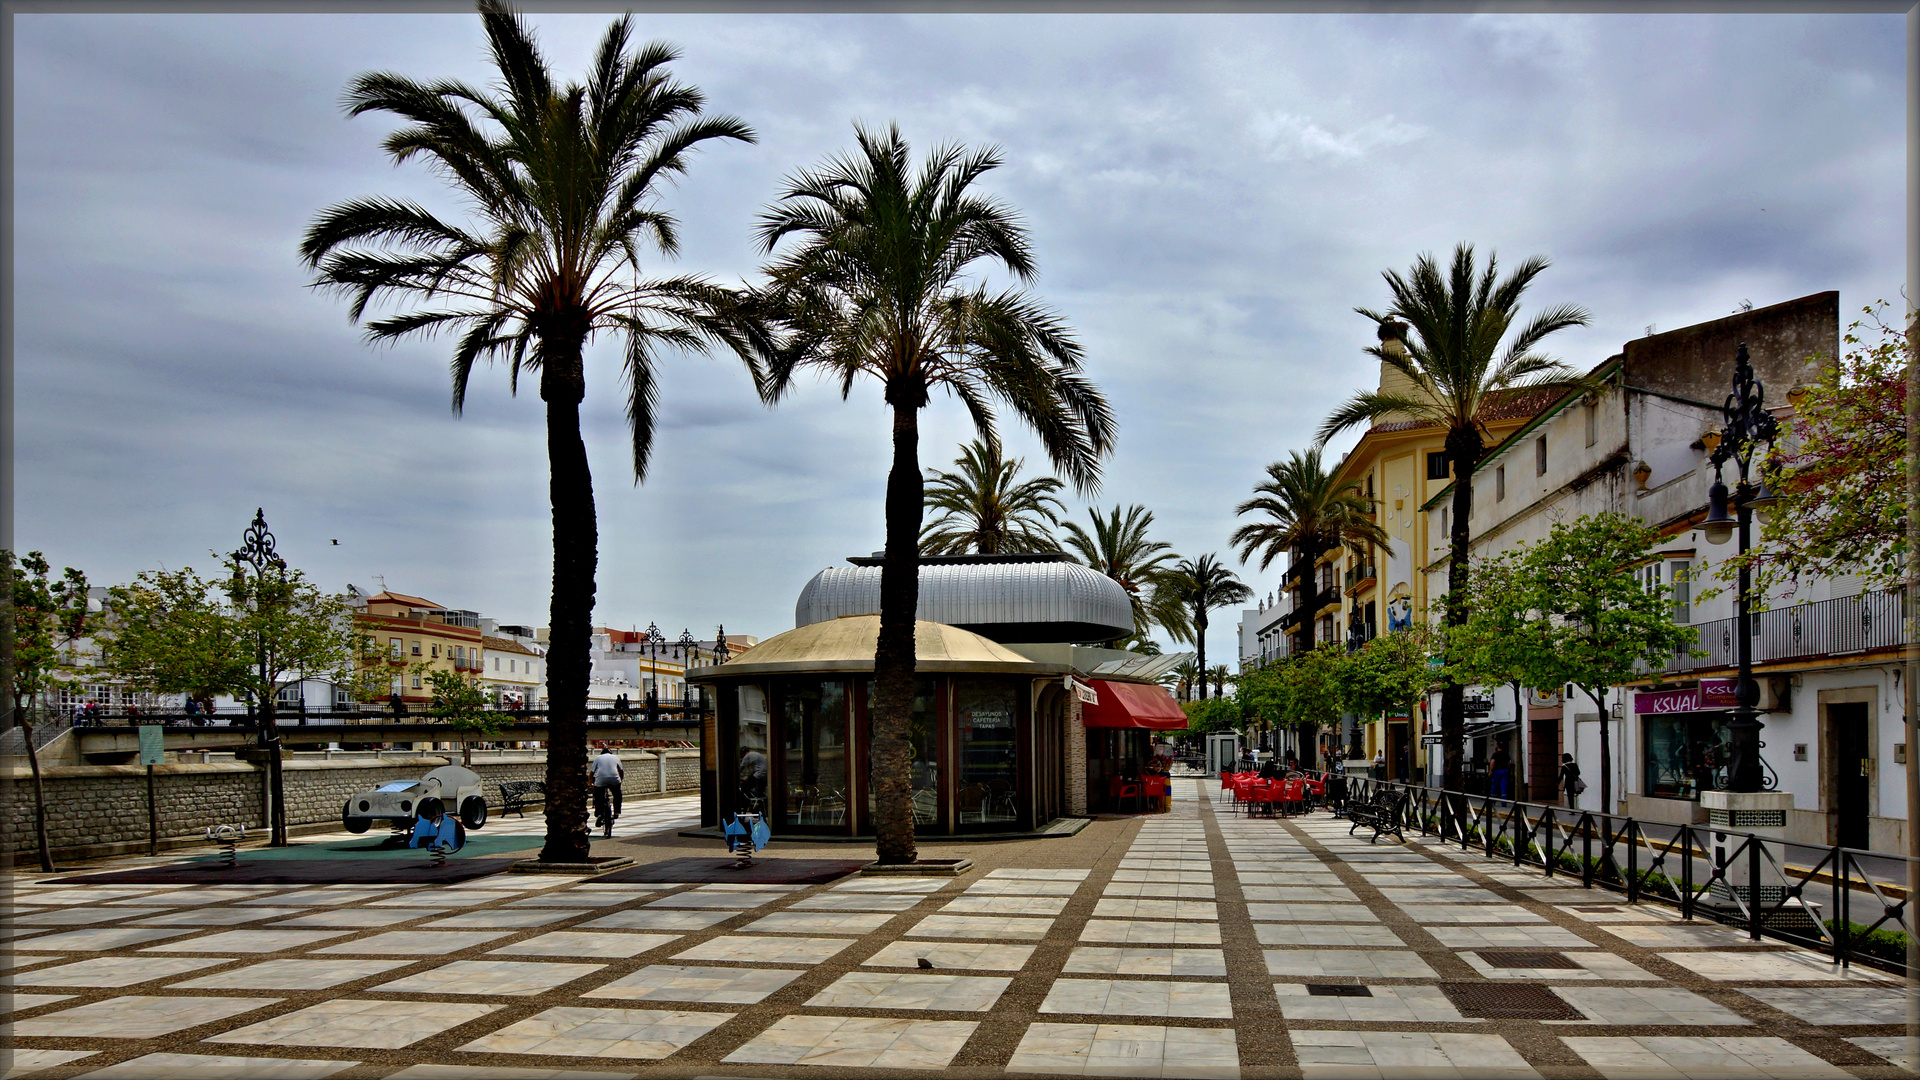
point(1837, 627)
point(1848, 903)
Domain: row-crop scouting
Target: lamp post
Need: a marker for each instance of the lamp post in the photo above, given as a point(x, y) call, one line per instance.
point(1748, 424)
point(257, 551)
point(655, 639)
point(687, 645)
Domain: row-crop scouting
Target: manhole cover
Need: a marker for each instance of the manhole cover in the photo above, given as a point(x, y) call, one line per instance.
point(1337, 990)
point(1598, 910)
point(1494, 1001)
point(1527, 958)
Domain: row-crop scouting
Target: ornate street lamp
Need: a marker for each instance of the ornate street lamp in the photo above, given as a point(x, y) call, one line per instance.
point(687, 645)
point(1748, 424)
point(655, 640)
point(257, 551)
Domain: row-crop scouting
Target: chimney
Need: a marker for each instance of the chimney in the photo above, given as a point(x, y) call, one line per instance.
point(1393, 339)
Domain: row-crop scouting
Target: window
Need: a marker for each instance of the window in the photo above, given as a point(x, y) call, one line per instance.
point(1682, 591)
point(1445, 533)
point(436, 650)
point(416, 682)
point(416, 648)
point(1437, 465)
point(1593, 422)
point(1540, 456)
point(394, 648)
point(396, 686)
point(496, 663)
point(1500, 483)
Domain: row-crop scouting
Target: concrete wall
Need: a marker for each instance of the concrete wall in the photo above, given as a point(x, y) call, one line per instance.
point(102, 809)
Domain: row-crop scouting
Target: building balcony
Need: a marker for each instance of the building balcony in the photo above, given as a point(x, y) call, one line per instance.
point(1327, 597)
point(1360, 578)
point(1844, 626)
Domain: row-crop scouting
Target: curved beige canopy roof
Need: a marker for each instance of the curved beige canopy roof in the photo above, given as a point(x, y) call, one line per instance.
point(848, 644)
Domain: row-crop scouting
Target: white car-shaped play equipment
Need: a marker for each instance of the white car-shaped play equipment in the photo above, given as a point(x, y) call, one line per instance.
point(459, 789)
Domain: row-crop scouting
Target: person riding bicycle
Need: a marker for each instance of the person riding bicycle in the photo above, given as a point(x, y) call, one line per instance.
point(607, 772)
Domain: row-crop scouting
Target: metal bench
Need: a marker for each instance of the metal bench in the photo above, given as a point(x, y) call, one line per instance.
point(517, 795)
point(1382, 814)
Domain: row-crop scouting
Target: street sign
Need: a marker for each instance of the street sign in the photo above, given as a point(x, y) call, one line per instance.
point(153, 744)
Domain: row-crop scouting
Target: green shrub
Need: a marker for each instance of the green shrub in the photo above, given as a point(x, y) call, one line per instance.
point(1880, 944)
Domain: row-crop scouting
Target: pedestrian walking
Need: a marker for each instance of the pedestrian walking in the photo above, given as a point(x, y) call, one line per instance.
point(1570, 781)
point(1380, 764)
point(1500, 774)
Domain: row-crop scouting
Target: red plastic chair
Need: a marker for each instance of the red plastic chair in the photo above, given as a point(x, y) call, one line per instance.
point(1120, 790)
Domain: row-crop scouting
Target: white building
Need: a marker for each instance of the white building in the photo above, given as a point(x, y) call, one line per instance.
point(1826, 657)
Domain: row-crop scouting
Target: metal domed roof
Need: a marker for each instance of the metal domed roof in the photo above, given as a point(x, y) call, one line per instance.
point(1004, 598)
point(849, 644)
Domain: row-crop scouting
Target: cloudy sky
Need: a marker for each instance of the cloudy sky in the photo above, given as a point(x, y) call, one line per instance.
point(1209, 198)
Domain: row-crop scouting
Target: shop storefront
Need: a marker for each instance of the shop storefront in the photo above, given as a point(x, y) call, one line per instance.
point(1683, 739)
point(1122, 721)
point(794, 732)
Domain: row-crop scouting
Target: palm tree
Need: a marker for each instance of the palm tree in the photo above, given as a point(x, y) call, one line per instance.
point(879, 285)
point(560, 183)
point(986, 510)
point(1307, 514)
point(1456, 372)
point(1218, 673)
point(1201, 585)
point(1117, 546)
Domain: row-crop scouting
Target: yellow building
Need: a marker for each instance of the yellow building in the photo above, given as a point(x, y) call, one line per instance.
point(1399, 464)
point(407, 631)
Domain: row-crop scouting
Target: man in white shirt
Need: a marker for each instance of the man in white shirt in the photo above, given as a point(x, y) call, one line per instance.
point(608, 773)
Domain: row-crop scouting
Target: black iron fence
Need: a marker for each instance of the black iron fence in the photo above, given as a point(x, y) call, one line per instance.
point(290, 716)
point(1848, 903)
point(1847, 624)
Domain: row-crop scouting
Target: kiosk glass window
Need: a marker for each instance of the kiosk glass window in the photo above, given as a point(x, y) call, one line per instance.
point(923, 749)
point(984, 714)
point(1684, 754)
point(753, 763)
point(814, 755)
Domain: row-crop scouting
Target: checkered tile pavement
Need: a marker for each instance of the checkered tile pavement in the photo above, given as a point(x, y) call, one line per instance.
point(1191, 944)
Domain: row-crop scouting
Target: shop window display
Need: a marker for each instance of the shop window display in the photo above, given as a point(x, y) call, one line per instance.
point(984, 712)
point(1684, 754)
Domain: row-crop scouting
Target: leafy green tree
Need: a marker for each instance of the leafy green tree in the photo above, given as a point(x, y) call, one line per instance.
point(1596, 624)
point(1454, 373)
point(1210, 715)
point(49, 616)
point(1199, 586)
point(249, 635)
point(169, 633)
point(1843, 485)
point(1500, 639)
point(986, 509)
point(1117, 546)
point(1391, 672)
point(464, 702)
point(883, 282)
point(562, 183)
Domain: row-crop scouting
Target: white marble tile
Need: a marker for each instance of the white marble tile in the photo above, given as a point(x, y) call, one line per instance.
point(508, 978)
point(248, 941)
point(766, 949)
point(846, 1042)
point(1828, 1005)
point(218, 1067)
point(646, 919)
point(1127, 1050)
point(586, 945)
point(500, 917)
point(1702, 1057)
point(293, 974)
point(1644, 1006)
point(415, 943)
point(115, 971)
point(1407, 1053)
point(136, 1017)
point(817, 923)
point(29, 1061)
point(646, 1034)
point(711, 985)
point(1126, 997)
point(1190, 963)
point(992, 886)
point(1343, 914)
point(830, 901)
point(982, 927)
point(898, 990)
point(1324, 934)
point(1039, 875)
point(358, 1024)
point(955, 955)
point(1140, 932)
point(1411, 1004)
point(1771, 967)
point(1359, 963)
point(891, 883)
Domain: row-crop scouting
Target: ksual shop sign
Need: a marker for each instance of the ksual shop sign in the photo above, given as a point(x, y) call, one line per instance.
point(1710, 694)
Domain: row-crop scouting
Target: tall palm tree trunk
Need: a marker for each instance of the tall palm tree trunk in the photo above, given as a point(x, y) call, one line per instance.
point(1463, 450)
point(575, 558)
point(893, 660)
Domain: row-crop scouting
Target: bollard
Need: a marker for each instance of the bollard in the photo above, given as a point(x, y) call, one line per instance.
point(228, 837)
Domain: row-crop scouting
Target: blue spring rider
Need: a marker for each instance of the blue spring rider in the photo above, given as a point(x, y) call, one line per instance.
point(746, 834)
point(438, 831)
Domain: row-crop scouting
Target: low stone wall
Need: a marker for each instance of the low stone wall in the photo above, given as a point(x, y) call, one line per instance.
point(102, 809)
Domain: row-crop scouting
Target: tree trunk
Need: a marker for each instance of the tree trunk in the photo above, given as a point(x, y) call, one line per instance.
point(1463, 452)
point(276, 785)
point(39, 798)
point(575, 558)
point(1200, 644)
point(1606, 752)
point(894, 659)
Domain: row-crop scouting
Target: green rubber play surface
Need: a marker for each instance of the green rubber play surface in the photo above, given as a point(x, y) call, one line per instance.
point(376, 847)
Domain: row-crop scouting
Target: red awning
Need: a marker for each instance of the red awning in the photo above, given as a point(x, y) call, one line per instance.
point(1133, 705)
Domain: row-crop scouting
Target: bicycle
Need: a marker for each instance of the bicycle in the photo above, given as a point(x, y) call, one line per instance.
point(603, 811)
